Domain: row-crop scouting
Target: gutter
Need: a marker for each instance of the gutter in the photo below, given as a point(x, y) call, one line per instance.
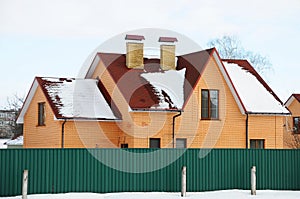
point(247, 130)
point(63, 133)
point(173, 130)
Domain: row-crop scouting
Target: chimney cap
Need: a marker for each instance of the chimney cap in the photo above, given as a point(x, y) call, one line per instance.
point(135, 37)
point(167, 39)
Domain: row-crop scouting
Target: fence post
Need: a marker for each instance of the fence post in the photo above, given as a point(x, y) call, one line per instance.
point(25, 184)
point(253, 180)
point(183, 181)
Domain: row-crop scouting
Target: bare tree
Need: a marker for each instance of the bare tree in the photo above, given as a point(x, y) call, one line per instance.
point(230, 47)
point(14, 104)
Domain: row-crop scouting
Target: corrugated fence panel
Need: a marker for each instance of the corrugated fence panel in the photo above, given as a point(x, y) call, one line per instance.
point(135, 170)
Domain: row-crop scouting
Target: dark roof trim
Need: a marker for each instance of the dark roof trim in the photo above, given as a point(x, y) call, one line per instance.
point(259, 113)
point(135, 37)
point(167, 39)
point(86, 118)
point(297, 96)
point(156, 110)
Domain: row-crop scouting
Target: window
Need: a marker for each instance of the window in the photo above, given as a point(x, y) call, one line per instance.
point(296, 124)
point(125, 145)
point(154, 142)
point(181, 143)
point(41, 114)
point(209, 104)
point(257, 144)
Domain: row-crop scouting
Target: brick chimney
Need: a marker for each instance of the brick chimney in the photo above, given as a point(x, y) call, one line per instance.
point(135, 51)
point(167, 53)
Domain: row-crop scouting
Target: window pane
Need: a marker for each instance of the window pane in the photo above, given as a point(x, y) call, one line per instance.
point(252, 144)
point(296, 124)
point(214, 103)
point(257, 144)
point(154, 142)
point(204, 103)
point(124, 145)
point(181, 143)
point(260, 144)
point(41, 114)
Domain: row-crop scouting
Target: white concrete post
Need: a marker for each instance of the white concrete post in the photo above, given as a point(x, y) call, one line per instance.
point(253, 180)
point(183, 181)
point(25, 184)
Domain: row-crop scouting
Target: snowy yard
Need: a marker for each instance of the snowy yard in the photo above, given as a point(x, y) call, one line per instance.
point(2, 141)
point(230, 194)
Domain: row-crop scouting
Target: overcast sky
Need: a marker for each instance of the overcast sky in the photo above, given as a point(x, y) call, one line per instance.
point(54, 37)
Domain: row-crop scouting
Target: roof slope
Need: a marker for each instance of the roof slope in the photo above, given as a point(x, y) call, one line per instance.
point(138, 89)
point(71, 98)
point(75, 98)
point(256, 96)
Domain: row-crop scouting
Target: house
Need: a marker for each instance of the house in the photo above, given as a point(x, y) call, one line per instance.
point(155, 98)
point(6, 119)
point(292, 125)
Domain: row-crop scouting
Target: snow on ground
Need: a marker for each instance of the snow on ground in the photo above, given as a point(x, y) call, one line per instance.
point(226, 194)
point(16, 141)
point(2, 141)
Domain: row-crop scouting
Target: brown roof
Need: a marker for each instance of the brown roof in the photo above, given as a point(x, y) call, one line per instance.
point(138, 92)
point(247, 66)
point(297, 96)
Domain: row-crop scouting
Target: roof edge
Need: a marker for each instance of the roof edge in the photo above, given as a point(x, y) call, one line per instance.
point(27, 102)
point(230, 83)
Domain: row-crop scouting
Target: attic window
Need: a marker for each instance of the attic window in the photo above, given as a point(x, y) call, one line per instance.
point(41, 114)
point(209, 104)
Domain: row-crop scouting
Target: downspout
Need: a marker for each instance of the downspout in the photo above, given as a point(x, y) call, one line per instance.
point(173, 130)
point(275, 134)
point(63, 133)
point(247, 130)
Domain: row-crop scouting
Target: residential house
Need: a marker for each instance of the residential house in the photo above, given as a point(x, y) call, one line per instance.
point(292, 125)
point(6, 119)
point(147, 99)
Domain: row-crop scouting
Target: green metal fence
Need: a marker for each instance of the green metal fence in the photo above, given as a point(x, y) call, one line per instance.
point(131, 170)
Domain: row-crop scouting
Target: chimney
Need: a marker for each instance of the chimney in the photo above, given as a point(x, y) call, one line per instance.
point(167, 53)
point(135, 51)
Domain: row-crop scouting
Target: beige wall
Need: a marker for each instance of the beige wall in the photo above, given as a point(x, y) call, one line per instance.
point(294, 108)
point(35, 136)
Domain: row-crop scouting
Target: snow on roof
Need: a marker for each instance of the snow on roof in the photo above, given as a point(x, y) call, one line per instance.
point(78, 98)
point(17, 141)
point(255, 97)
point(169, 87)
